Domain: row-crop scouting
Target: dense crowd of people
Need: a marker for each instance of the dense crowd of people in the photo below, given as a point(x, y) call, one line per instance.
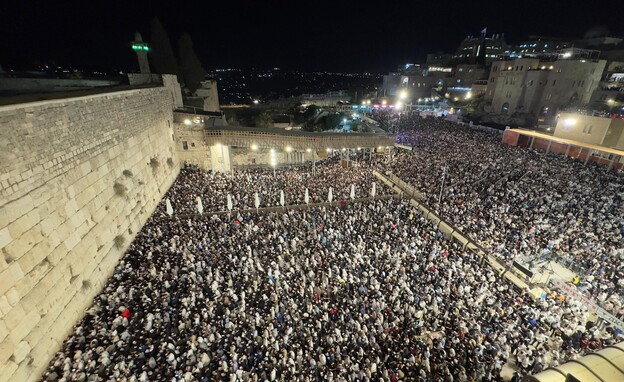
point(521, 204)
point(365, 292)
point(361, 292)
point(213, 186)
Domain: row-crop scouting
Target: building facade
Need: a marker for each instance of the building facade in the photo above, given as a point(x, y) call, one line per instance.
point(541, 89)
point(481, 49)
point(607, 132)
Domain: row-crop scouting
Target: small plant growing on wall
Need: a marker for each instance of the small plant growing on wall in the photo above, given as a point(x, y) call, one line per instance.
point(120, 189)
point(154, 163)
point(170, 161)
point(127, 173)
point(119, 241)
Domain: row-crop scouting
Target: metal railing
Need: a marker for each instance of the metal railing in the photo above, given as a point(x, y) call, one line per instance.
point(451, 231)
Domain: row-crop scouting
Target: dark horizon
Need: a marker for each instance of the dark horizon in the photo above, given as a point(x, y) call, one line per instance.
point(341, 37)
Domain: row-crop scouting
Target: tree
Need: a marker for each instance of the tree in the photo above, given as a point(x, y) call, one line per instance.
point(333, 120)
point(264, 120)
point(162, 56)
point(191, 68)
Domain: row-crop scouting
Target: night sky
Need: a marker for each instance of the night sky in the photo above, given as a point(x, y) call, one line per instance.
point(303, 35)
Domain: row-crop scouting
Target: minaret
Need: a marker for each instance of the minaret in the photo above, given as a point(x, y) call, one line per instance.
point(141, 48)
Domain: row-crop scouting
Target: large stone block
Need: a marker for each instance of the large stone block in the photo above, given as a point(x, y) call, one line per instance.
point(5, 237)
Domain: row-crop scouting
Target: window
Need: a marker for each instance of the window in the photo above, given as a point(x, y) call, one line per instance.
point(495, 68)
point(554, 82)
point(505, 108)
point(185, 145)
point(192, 144)
point(521, 67)
point(574, 83)
point(558, 70)
point(530, 82)
point(544, 111)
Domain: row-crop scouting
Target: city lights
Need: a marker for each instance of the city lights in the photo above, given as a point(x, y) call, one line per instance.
point(403, 94)
point(187, 122)
point(288, 149)
point(254, 147)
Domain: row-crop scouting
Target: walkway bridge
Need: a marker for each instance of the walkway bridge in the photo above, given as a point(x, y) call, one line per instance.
point(296, 140)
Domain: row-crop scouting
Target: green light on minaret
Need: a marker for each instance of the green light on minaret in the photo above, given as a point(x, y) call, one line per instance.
point(141, 46)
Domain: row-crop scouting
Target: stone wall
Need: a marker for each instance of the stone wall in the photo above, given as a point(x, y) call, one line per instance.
point(78, 179)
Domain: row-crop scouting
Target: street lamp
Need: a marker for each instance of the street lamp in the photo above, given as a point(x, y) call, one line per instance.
point(254, 147)
point(403, 94)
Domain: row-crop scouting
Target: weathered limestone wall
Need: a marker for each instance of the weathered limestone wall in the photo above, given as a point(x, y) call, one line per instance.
point(78, 178)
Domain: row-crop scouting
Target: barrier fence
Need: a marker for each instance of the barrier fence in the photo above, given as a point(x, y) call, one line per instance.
point(521, 282)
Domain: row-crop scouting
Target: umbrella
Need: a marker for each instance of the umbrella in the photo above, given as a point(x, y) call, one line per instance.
point(169, 207)
point(200, 206)
point(229, 202)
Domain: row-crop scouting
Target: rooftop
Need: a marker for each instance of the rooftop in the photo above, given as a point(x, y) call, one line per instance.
point(44, 96)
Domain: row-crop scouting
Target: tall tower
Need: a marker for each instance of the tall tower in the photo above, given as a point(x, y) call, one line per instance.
point(141, 48)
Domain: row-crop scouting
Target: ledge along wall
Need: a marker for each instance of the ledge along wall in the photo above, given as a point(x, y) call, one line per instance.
point(78, 179)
